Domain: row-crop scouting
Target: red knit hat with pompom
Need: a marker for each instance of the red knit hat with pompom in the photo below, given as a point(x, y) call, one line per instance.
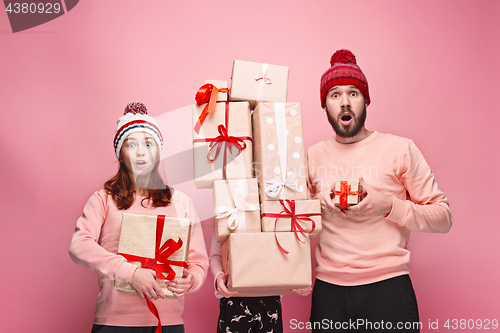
point(344, 71)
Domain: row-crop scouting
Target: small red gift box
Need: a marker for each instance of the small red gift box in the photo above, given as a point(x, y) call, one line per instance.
point(346, 194)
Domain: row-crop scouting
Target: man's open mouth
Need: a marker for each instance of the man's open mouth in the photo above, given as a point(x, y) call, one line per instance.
point(346, 117)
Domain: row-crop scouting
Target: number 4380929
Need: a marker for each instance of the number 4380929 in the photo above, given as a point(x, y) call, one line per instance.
point(462, 324)
point(32, 8)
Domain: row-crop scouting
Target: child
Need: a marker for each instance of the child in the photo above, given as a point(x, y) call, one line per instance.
point(137, 188)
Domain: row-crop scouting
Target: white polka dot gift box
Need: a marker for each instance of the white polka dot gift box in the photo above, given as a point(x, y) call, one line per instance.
point(279, 158)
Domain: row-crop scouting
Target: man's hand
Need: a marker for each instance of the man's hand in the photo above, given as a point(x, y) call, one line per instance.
point(180, 286)
point(374, 204)
point(144, 283)
point(220, 283)
point(328, 208)
point(303, 291)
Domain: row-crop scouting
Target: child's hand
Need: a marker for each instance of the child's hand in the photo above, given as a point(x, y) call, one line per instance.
point(180, 287)
point(220, 283)
point(144, 282)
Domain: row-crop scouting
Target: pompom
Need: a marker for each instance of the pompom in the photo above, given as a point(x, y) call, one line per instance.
point(343, 57)
point(136, 108)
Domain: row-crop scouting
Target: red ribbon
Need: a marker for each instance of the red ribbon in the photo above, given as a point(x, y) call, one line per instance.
point(294, 219)
point(224, 139)
point(154, 311)
point(207, 93)
point(160, 264)
point(345, 190)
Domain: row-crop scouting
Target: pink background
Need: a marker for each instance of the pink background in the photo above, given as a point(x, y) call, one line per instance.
point(433, 70)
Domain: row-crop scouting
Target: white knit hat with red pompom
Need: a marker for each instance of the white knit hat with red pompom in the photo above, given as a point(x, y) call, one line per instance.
point(136, 119)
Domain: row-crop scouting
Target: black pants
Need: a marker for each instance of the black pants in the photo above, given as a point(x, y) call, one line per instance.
point(250, 314)
point(148, 329)
point(385, 306)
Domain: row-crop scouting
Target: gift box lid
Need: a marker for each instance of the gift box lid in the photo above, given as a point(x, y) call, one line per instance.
point(254, 81)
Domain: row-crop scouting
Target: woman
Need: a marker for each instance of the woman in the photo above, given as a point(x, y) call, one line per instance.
point(136, 188)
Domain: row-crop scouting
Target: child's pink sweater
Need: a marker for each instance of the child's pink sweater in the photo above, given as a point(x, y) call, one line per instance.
point(370, 249)
point(95, 243)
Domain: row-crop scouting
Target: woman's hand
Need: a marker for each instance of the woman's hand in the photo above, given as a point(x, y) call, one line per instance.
point(144, 282)
point(180, 287)
point(220, 283)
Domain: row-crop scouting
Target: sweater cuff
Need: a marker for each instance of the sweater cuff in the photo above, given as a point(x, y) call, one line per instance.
point(215, 278)
point(199, 278)
point(126, 272)
point(398, 212)
point(216, 271)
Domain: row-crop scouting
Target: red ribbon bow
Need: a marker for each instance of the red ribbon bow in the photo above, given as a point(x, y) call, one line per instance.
point(224, 139)
point(207, 93)
point(160, 264)
point(294, 219)
point(345, 190)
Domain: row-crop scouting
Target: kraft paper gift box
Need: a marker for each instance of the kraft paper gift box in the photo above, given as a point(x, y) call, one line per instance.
point(346, 193)
point(223, 148)
point(139, 238)
point(221, 96)
point(279, 157)
point(292, 215)
point(258, 82)
point(237, 208)
point(258, 267)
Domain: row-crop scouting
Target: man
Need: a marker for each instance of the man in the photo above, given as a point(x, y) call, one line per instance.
point(362, 282)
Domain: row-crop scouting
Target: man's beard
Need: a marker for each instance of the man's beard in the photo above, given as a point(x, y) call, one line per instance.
point(353, 129)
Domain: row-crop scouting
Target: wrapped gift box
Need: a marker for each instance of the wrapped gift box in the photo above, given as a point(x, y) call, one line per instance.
point(277, 216)
point(237, 208)
point(257, 266)
point(226, 128)
point(279, 157)
point(254, 81)
point(221, 96)
point(346, 193)
point(139, 237)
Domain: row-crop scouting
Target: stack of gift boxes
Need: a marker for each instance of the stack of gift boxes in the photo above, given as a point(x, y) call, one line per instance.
point(255, 163)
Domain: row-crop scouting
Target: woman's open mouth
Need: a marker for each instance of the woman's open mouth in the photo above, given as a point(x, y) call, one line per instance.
point(141, 164)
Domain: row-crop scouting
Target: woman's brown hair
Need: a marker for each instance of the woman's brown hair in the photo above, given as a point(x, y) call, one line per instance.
point(121, 189)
